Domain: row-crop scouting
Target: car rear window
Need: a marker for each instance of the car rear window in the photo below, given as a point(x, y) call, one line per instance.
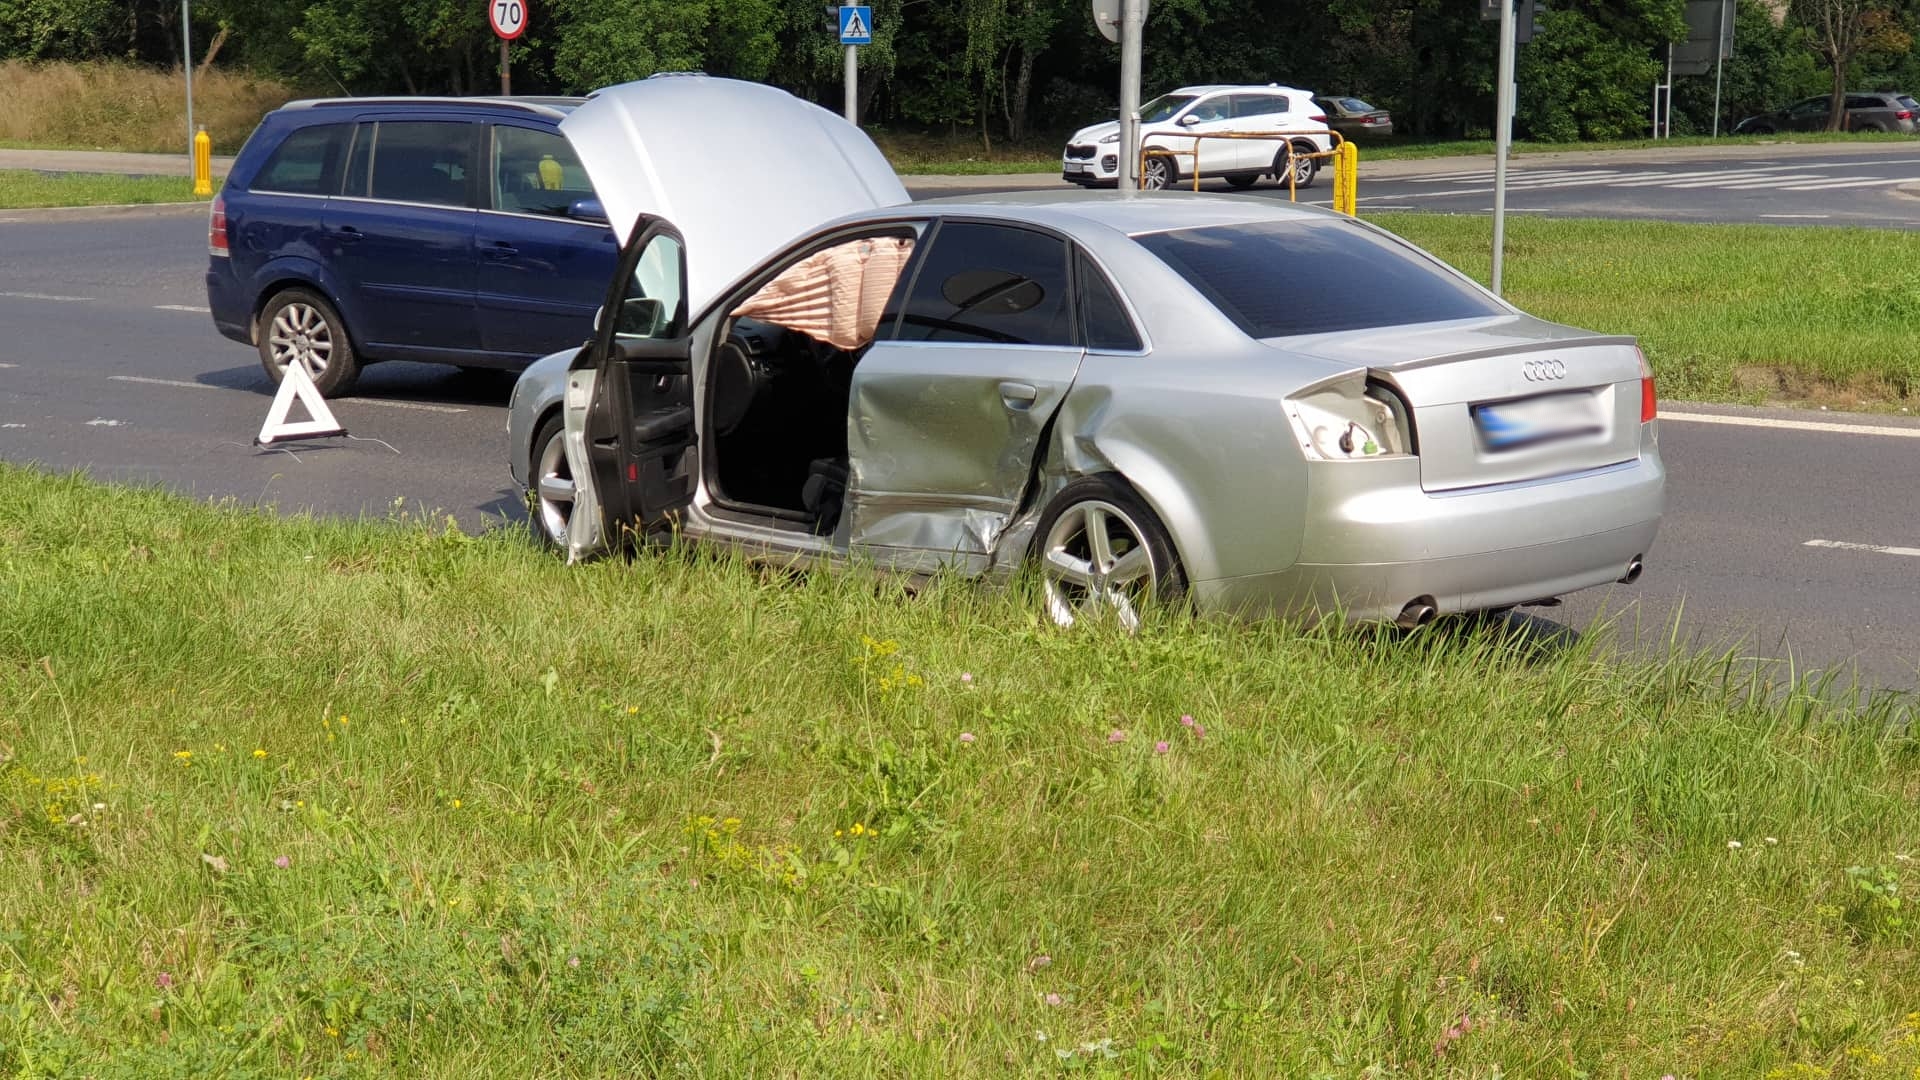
point(1282, 278)
point(1908, 103)
point(1354, 104)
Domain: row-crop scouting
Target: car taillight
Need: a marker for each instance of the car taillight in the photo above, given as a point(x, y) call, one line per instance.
point(1318, 118)
point(1369, 119)
point(217, 228)
point(1903, 114)
point(1649, 408)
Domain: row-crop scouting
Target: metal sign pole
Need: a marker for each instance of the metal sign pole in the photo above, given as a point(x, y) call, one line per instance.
point(186, 65)
point(1132, 19)
point(853, 84)
point(1502, 139)
point(506, 78)
point(1719, 63)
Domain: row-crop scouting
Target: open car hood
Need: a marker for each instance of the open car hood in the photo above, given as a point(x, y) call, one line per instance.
point(739, 168)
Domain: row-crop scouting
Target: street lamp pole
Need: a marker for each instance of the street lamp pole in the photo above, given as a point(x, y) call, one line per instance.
point(186, 65)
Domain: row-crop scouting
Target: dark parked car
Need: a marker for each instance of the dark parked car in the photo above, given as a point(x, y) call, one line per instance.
point(1354, 118)
point(445, 230)
point(1865, 112)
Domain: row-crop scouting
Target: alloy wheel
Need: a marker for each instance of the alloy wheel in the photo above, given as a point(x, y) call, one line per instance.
point(1157, 176)
point(1095, 564)
point(300, 333)
point(553, 488)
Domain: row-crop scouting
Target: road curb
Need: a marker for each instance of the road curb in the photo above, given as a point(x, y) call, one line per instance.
point(81, 213)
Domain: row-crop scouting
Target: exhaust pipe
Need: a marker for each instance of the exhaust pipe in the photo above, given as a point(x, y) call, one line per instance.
point(1418, 613)
point(1633, 571)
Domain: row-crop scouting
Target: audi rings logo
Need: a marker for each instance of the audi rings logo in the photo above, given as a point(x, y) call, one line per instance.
point(1544, 370)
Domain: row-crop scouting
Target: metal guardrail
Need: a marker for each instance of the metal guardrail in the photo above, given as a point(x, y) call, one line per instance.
point(1343, 154)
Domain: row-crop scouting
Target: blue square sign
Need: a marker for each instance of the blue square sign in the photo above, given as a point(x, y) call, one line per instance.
point(856, 25)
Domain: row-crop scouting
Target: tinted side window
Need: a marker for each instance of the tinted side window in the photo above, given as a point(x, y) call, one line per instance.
point(536, 172)
point(1259, 105)
point(307, 161)
point(1104, 323)
point(990, 283)
point(1277, 279)
point(423, 162)
point(1858, 101)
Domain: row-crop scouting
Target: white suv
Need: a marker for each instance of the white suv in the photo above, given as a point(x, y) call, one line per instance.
point(1168, 121)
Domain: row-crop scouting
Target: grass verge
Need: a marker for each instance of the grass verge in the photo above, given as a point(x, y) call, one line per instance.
point(24, 188)
point(1726, 312)
point(284, 798)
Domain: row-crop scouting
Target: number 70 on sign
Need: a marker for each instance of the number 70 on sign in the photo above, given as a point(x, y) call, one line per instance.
point(507, 17)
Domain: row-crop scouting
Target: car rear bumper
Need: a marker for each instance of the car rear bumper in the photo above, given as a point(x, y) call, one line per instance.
point(231, 307)
point(1368, 551)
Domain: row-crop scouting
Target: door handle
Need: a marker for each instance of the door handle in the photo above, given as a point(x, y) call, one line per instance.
point(348, 234)
point(500, 249)
point(1018, 395)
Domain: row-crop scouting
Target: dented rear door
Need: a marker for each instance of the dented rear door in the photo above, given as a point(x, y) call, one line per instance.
point(946, 415)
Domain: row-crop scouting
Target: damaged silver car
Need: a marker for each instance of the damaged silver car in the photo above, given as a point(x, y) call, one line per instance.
point(1260, 406)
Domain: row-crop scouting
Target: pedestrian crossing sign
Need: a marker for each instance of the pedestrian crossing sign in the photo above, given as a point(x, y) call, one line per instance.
point(856, 25)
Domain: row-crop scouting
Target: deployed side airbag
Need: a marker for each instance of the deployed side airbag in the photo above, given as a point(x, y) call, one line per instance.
point(836, 295)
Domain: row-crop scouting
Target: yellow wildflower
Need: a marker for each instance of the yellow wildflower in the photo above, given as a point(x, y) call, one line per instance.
point(259, 753)
point(455, 804)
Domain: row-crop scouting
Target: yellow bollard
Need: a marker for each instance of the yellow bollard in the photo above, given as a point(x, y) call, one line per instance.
point(202, 163)
point(1351, 176)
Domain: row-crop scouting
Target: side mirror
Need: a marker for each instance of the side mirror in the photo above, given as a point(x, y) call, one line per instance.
point(599, 313)
point(641, 316)
point(1188, 120)
point(588, 210)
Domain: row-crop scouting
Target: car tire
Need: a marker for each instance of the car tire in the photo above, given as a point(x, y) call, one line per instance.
point(1159, 173)
point(1103, 553)
point(299, 324)
point(549, 485)
point(1243, 181)
point(1304, 168)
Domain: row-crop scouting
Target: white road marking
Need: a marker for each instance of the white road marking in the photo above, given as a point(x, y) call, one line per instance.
point(1792, 425)
point(12, 425)
point(9, 365)
point(183, 307)
point(1789, 178)
point(98, 422)
point(45, 296)
point(1816, 217)
point(1878, 549)
point(1850, 182)
point(414, 405)
point(161, 382)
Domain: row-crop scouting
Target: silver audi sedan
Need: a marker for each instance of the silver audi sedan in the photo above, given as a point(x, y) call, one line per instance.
point(1255, 406)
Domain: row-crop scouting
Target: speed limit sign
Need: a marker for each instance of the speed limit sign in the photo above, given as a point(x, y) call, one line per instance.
point(508, 17)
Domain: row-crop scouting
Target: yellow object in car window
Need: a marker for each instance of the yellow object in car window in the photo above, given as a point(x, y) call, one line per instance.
point(552, 176)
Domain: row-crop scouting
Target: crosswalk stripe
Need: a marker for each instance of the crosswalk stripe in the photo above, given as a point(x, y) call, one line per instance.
point(1719, 181)
point(1847, 182)
point(1785, 178)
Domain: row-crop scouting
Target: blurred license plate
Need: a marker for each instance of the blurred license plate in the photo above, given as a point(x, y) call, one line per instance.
point(1076, 166)
point(1511, 425)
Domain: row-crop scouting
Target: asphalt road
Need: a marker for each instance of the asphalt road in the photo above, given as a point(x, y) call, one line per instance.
point(1842, 186)
point(108, 362)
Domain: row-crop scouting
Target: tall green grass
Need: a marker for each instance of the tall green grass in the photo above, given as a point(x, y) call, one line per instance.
point(290, 798)
point(23, 188)
point(1726, 312)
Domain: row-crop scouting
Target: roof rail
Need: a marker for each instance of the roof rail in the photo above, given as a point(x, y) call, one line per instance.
point(553, 106)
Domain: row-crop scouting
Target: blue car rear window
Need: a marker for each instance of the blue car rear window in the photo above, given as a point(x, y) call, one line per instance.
point(1283, 278)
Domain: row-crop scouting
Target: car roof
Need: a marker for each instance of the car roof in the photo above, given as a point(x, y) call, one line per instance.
point(552, 107)
point(1216, 88)
point(1135, 214)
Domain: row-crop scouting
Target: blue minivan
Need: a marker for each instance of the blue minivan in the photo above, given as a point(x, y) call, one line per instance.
point(444, 230)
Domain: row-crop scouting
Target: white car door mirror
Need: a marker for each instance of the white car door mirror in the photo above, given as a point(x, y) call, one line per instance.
point(1188, 120)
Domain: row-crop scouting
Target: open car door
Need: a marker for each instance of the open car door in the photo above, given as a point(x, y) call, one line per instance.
point(629, 400)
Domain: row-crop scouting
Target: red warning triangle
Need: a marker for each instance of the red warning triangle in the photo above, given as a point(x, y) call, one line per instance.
point(296, 384)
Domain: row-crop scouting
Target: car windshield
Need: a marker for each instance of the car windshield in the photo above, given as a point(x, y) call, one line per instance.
point(1284, 278)
point(1163, 107)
